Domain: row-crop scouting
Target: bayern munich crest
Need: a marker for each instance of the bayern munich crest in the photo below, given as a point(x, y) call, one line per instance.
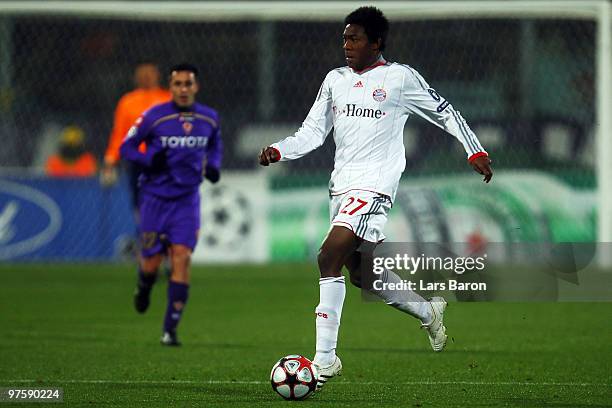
point(379, 95)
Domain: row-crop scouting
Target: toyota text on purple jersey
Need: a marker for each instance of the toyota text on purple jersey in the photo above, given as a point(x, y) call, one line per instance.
point(187, 138)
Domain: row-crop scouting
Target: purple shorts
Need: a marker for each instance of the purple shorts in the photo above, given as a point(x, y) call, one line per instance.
point(165, 221)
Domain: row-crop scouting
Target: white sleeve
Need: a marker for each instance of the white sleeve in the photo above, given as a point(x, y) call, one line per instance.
point(314, 129)
point(424, 101)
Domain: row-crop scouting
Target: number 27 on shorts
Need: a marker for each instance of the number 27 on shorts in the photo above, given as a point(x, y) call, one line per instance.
point(353, 205)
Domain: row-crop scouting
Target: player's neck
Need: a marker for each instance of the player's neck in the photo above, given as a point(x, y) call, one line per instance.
point(377, 61)
point(188, 108)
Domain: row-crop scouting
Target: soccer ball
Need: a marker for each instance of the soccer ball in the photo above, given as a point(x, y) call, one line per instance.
point(294, 377)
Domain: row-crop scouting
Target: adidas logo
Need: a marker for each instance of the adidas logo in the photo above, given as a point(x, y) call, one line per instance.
point(358, 85)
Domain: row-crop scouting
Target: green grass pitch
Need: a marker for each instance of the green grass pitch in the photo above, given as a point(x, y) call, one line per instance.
point(73, 326)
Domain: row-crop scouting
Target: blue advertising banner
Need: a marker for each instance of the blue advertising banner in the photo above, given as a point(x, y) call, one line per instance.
point(44, 218)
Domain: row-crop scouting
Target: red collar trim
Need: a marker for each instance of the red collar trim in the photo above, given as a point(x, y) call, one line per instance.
point(381, 61)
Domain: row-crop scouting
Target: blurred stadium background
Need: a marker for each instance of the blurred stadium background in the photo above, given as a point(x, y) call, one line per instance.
point(526, 76)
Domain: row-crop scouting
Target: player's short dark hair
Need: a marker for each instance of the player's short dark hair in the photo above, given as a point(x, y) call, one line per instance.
point(184, 66)
point(373, 22)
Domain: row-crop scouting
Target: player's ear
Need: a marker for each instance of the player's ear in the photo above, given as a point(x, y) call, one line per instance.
point(377, 44)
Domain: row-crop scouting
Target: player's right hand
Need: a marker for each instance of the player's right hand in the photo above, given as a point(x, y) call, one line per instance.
point(108, 175)
point(269, 155)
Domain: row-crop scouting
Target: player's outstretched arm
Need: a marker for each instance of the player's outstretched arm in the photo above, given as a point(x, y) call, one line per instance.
point(482, 165)
point(424, 101)
point(269, 155)
point(309, 136)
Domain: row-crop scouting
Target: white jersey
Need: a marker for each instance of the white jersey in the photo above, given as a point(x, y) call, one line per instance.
point(368, 110)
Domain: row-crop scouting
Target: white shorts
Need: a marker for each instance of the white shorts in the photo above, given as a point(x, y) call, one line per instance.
point(363, 212)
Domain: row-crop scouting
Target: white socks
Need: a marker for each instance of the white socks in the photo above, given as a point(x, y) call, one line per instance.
point(329, 311)
point(331, 298)
point(405, 300)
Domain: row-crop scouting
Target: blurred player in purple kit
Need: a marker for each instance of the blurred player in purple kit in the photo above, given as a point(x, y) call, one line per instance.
point(183, 140)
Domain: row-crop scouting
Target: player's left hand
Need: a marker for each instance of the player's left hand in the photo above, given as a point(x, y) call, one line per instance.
point(212, 174)
point(482, 165)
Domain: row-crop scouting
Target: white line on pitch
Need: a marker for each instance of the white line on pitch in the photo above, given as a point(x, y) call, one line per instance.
point(229, 382)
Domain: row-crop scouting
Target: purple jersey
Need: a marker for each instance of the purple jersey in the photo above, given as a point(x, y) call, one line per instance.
point(188, 138)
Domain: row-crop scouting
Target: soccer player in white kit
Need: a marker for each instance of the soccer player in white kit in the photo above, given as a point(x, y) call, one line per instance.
point(367, 104)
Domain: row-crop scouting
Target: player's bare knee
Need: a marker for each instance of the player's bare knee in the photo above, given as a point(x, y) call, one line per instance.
point(328, 264)
point(323, 260)
point(181, 261)
point(180, 254)
point(151, 264)
point(181, 257)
